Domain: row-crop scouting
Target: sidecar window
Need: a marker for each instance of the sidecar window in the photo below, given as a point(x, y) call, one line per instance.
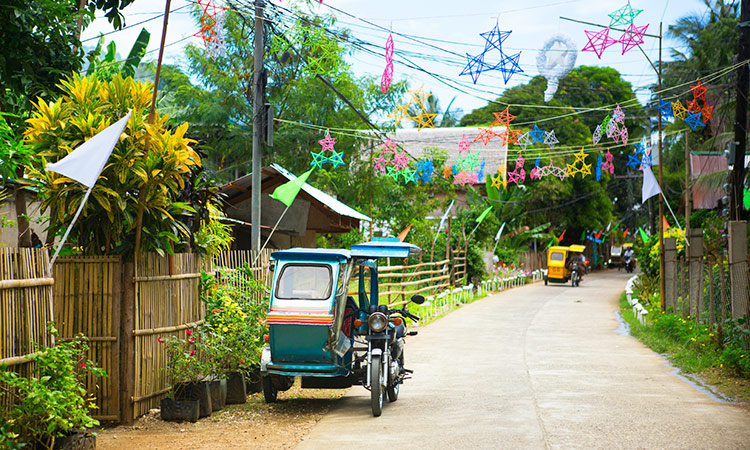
point(556, 256)
point(304, 282)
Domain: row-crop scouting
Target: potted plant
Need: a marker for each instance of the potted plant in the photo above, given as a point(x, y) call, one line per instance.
point(50, 408)
point(186, 373)
point(233, 328)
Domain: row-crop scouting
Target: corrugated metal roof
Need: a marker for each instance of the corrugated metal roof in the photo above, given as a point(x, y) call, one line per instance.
point(322, 197)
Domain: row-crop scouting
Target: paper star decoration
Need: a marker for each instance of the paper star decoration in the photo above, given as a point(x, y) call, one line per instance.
point(327, 143)
point(518, 175)
point(633, 161)
point(465, 177)
point(609, 165)
point(400, 161)
point(699, 91)
point(598, 42)
point(509, 136)
point(694, 120)
point(379, 164)
point(617, 115)
point(623, 16)
point(485, 135)
point(584, 169)
point(503, 118)
point(336, 159)
point(409, 176)
point(706, 112)
point(387, 78)
point(599, 167)
point(447, 171)
point(613, 131)
point(550, 139)
point(597, 136)
point(665, 108)
point(463, 145)
point(393, 172)
point(624, 135)
point(632, 37)
point(423, 118)
point(524, 141)
point(469, 161)
point(507, 64)
point(480, 171)
point(678, 110)
point(537, 135)
point(553, 170)
point(389, 147)
point(500, 180)
point(399, 113)
point(318, 159)
point(535, 171)
point(211, 19)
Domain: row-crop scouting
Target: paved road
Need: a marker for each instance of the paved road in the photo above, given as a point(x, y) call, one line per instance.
point(536, 367)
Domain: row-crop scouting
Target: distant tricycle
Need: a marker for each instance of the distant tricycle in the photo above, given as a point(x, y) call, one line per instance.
point(321, 334)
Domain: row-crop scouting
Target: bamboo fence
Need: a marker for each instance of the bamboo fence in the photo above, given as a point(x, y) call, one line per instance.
point(87, 295)
point(25, 305)
point(231, 262)
point(167, 302)
point(400, 281)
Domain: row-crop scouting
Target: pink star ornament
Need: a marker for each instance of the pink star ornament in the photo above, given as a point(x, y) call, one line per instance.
point(598, 42)
point(632, 37)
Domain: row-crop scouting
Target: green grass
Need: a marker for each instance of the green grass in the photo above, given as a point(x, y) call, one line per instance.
point(717, 354)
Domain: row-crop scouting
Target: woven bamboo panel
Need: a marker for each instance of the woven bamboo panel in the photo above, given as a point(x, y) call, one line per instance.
point(87, 301)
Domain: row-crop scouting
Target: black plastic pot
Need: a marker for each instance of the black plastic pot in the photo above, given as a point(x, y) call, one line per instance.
point(195, 391)
point(254, 382)
point(236, 391)
point(218, 393)
point(180, 410)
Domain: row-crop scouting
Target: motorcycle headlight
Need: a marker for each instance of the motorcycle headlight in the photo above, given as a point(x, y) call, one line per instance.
point(377, 322)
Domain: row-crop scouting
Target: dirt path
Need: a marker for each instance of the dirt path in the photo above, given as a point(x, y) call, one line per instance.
point(254, 425)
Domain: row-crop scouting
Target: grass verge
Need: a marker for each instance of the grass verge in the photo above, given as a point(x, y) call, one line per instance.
point(695, 349)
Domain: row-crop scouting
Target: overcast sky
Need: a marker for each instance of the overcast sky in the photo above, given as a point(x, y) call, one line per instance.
point(452, 28)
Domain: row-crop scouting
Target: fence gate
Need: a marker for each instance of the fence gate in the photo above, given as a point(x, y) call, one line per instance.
point(87, 295)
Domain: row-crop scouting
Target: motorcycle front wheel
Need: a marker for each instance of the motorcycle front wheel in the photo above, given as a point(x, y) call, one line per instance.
point(376, 393)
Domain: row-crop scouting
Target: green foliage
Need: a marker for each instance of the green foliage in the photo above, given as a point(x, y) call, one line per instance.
point(14, 154)
point(736, 346)
point(108, 66)
point(148, 167)
point(235, 322)
point(184, 363)
point(51, 402)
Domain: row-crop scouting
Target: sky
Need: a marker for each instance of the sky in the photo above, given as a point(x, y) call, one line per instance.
point(446, 31)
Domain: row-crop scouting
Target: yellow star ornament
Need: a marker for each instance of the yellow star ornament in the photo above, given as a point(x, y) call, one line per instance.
point(678, 110)
point(584, 169)
point(501, 179)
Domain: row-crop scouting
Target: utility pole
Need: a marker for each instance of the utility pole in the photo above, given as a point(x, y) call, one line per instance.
point(258, 108)
point(659, 220)
point(736, 210)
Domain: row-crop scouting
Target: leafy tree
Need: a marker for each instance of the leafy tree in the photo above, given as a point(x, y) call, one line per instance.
point(149, 165)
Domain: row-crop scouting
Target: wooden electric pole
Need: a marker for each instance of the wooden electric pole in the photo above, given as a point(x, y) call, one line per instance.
point(258, 109)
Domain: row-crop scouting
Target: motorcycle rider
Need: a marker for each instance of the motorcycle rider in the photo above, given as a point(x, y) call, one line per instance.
point(577, 258)
point(628, 255)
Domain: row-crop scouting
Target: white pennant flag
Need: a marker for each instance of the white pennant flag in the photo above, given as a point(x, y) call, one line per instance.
point(499, 232)
point(650, 185)
point(85, 163)
point(443, 219)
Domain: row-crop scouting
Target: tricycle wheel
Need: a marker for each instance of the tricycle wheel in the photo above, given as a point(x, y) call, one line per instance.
point(395, 385)
point(545, 281)
point(270, 393)
point(376, 393)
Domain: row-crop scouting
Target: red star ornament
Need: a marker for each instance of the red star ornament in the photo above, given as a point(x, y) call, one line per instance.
point(699, 91)
point(503, 118)
point(598, 42)
point(706, 112)
point(485, 135)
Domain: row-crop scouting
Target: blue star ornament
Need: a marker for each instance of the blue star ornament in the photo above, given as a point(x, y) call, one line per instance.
point(494, 38)
point(665, 108)
point(599, 168)
point(336, 159)
point(537, 135)
point(318, 160)
point(474, 67)
point(424, 170)
point(694, 120)
point(633, 161)
point(508, 66)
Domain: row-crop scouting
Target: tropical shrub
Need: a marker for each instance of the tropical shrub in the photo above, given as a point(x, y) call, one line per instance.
point(234, 325)
point(184, 363)
point(51, 402)
point(147, 167)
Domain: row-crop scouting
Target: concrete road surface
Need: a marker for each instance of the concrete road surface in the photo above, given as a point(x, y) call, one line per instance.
point(532, 368)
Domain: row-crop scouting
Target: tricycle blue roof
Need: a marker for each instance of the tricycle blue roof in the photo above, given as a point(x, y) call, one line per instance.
point(312, 254)
point(384, 249)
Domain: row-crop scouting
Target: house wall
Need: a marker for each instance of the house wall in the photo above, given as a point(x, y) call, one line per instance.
point(9, 221)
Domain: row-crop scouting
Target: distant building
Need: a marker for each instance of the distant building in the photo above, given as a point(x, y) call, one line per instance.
point(313, 212)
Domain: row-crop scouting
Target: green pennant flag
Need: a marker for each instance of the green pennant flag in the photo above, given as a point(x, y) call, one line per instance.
point(616, 227)
point(551, 242)
point(483, 215)
point(583, 236)
point(746, 198)
point(644, 236)
point(287, 192)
